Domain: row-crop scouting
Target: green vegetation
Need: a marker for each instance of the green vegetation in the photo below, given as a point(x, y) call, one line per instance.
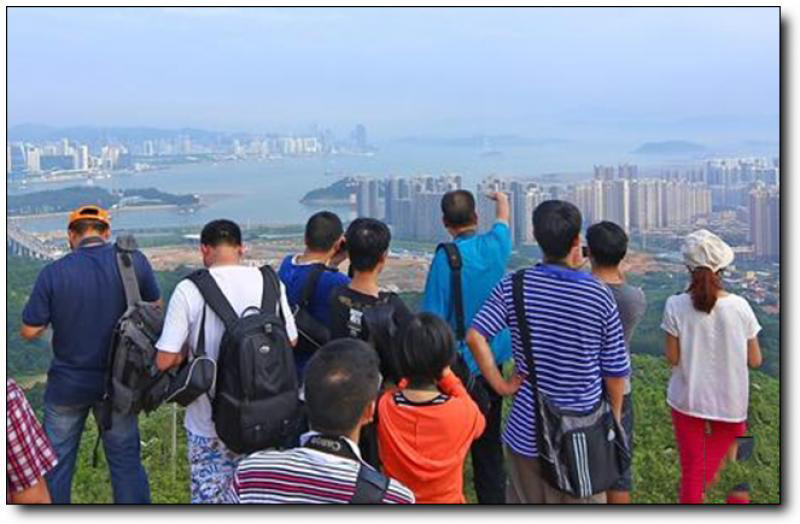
point(340, 192)
point(23, 359)
point(649, 338)
point(656, 469)
point(67, 199)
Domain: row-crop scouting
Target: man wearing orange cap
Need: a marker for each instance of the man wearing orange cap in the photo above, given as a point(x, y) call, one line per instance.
point(81, 297)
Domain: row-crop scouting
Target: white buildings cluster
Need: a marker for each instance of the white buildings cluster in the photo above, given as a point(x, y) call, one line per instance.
point(640, 204)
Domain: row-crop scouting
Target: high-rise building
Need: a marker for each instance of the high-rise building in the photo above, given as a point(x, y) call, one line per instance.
point(32, 159)
point(525, 196)
point(764, 207)
point(359, 137)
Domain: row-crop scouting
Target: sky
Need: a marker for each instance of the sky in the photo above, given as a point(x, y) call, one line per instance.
point(539, 72)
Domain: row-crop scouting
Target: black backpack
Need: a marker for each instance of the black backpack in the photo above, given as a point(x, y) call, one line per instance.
point(474, 387)
point(312, 333)
point(255, 405)
point(377, 325)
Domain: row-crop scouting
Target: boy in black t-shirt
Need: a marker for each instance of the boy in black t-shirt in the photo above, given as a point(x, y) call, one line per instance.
point(361, 310)
point(367, 242)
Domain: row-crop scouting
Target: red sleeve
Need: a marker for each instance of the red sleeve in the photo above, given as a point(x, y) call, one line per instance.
point(451, 385)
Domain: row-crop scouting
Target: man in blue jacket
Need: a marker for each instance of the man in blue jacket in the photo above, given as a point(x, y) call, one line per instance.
point(484, 259)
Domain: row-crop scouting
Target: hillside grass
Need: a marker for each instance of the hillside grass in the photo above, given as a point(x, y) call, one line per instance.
point(655, 467)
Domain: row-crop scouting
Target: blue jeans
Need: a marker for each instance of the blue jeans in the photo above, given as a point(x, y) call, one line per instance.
point(64, 426)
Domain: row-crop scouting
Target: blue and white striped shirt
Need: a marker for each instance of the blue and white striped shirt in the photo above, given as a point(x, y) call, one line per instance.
point(577, 339)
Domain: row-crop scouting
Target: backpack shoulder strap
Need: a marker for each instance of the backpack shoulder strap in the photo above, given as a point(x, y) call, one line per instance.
point(311, 284)
point(272, 289)
point(124, 248)
point(518, 280)
point(455, 263)
point(371, 486)
point(213, 296)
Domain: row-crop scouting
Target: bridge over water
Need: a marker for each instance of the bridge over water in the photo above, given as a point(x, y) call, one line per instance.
point(22, 243)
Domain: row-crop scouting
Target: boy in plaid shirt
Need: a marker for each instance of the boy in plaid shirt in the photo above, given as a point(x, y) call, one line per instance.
point(29, 454)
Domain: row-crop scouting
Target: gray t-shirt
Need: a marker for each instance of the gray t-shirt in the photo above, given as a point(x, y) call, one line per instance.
point(631, 304)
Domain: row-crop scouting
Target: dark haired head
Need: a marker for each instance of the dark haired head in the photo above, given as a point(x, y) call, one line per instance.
point(341, 379)
point(428, 348)
point(323, 229)
point(367, 241)
point(458, 209)
point(556, 225)
point(221, 232)
point(704, 288)
point(607, 242)
point(83, 226)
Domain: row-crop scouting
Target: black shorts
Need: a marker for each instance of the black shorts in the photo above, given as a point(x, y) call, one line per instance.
point(625, 482)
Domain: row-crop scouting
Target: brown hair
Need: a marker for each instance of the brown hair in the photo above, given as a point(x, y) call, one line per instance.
point(704, 288)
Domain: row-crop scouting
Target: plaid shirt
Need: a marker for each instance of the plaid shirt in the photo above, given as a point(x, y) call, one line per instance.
point(29, 454)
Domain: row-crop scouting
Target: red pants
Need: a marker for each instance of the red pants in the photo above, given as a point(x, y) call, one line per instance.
point(701, 453)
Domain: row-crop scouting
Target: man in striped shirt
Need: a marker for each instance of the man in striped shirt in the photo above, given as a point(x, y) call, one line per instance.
point(577, 341)
point(341, 386)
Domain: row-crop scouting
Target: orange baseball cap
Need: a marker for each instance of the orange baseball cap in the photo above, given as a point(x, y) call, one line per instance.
point(89, 212)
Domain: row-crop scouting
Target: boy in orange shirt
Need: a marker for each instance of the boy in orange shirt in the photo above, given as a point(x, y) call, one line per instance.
point(426, 426)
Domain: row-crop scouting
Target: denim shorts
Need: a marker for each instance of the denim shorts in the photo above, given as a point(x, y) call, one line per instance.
point(625, 482)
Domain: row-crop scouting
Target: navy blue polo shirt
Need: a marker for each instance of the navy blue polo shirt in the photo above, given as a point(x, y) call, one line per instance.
point(81, 297)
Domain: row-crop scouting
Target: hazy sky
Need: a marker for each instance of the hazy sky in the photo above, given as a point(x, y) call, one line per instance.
point(538, 71)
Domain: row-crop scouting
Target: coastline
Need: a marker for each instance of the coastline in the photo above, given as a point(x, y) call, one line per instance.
point(56, 214)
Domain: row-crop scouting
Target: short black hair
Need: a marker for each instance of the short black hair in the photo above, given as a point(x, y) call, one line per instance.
point(367, 240)
point(607, 242)
point(221, 231)
point(82, 226)
point(341, 379)
point(556, 225)
point(458, 208)
point(323, 229)
point(428, 348)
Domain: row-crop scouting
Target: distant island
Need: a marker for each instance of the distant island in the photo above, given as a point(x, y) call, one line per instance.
point(670, 147)
point(67, 199)
point(488, 142)
point(340, 193)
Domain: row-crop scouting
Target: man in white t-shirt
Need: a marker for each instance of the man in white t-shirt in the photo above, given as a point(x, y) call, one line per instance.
point(212, 464)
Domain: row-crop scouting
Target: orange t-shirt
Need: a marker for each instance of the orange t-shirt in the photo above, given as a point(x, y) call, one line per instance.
point(424, 445)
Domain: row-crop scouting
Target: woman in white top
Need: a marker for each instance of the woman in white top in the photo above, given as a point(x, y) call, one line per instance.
point(711, 341)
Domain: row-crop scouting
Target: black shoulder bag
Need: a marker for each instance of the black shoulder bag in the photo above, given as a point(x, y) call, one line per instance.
point(312, 333)
point(471, 383)
point(581, 454)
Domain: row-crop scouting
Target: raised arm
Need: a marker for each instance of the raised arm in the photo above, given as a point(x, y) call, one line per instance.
point(502, 208)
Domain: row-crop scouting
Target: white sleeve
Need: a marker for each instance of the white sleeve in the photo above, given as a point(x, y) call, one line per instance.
point(669, 323)
point(176, 322)
point(751, 325)
point(288, 317)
